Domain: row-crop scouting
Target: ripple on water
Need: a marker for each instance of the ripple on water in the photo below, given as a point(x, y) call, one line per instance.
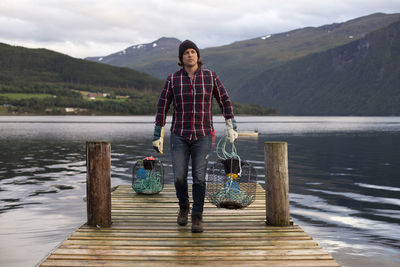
point(378, 187)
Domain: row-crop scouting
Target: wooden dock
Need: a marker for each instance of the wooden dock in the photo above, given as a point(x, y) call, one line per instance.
point(144, 233)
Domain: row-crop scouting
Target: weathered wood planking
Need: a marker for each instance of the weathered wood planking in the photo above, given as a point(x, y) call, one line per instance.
point(144, 233)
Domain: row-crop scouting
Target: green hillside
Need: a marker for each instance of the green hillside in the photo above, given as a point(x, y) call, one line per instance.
point(23, 65)
point(40, 81)
point(359, 78)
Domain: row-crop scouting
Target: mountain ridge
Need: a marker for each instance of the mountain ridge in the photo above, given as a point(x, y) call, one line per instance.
point(243, 63)
point(363, 79)
point(350, 30)
point(161, 52)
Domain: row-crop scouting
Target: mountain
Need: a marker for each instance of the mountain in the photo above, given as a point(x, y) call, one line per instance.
point(243, 64)
point(358, 78)
point(153, 58)
point(241, 61)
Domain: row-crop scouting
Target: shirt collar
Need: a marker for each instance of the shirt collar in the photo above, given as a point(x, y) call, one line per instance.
point(197, 71)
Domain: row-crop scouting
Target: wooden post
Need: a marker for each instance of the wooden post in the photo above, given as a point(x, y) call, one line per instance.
point(98, 183)
point(277, 183)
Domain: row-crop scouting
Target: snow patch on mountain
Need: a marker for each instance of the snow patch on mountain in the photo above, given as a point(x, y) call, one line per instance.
point(138, 46)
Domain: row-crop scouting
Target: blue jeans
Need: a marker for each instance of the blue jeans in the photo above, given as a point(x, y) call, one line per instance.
point(182, 149)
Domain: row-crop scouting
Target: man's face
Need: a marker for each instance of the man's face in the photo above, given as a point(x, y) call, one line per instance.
point(189, 58)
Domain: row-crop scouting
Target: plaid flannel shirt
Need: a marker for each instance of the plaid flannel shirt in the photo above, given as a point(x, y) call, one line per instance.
point(192, 100)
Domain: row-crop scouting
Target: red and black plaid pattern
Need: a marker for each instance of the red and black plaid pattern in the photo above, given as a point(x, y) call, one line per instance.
point(192, 100)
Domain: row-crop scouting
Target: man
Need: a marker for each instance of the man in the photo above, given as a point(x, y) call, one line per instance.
point(191, 90)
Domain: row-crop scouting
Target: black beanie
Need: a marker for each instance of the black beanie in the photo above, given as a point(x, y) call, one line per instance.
point(186, 45)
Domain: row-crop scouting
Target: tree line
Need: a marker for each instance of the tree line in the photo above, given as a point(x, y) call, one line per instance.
point(67, 95)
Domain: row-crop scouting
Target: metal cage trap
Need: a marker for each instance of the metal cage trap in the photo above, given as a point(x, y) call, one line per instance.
point(148, 176)
point(231, 182)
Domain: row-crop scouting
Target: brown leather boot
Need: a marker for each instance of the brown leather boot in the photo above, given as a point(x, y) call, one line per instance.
point(197, 222)
point(183, 214)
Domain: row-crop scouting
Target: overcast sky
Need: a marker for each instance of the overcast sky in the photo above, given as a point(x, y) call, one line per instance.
point(83, 28)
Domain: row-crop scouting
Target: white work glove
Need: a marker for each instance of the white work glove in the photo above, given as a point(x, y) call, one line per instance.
point(158, 139)
point(231, 130)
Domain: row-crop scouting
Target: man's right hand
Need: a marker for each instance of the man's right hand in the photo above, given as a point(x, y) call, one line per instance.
point(158, 139)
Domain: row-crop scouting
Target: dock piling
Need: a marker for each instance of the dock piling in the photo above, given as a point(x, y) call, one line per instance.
point(98, 183)
point(277, 183)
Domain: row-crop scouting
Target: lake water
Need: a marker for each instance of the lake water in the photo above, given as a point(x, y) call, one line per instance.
point(344, 178)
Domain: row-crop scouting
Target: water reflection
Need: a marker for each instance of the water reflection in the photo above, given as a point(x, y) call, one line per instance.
point(343, 175)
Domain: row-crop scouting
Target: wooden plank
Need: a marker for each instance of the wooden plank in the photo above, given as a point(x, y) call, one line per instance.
point(190, 252)
point(310, 246)
point(191, 243)
point(171, 235)
point(153, 262)
point(144, 233)
point(183, 257)
point(173, 228)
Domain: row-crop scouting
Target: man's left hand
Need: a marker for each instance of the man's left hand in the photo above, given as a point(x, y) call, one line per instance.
point(231, 130)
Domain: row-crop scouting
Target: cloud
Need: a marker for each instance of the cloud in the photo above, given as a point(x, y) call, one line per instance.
point(91, 28)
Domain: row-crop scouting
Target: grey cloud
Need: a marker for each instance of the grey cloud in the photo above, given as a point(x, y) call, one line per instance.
point(87, 27)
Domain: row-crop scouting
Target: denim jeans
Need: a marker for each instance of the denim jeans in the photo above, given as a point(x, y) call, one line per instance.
point(182, 149)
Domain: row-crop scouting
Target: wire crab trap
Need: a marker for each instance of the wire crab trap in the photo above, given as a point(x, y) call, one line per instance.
point(231, 182)
point(148, 176)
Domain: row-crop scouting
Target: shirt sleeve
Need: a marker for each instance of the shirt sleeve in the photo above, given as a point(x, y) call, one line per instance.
point(221, 95)
point(164, 103)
